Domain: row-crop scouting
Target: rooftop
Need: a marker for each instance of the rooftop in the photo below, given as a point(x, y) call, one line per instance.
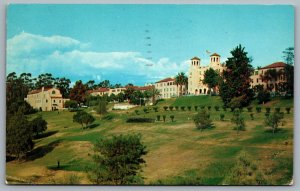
point(39, 90)
point(275, 65)
point(166, 80)
point(215, 54)
point(195, 58)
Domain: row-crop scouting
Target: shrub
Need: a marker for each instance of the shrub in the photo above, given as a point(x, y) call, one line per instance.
point(277, 109)
point(202, 121)
point(288, 109)
point(239, 121)
point(158, 117)
point(139, 120)
point(208, 107)
point(258, 109)
point(165, 108)
point(155, 109)
point(102, 104)
point(263, 96)
point(202, 106)
point(136, 112)
point(70, 104)
point(164, 118)
point(189, 108)
point(172, 118)
point(249, 109)
point(252, 116)
point(267, 114)
point(171, 108)
point(176, 107)
point(224, 108)
point(222, 115)
point(268, 109)
point(232, 109)
point(196, 108)
point(126, 151)
point(145, 110)
point(217, 108)
point(241, 109)
point(182, 108)
point(108, 117)
point(83, 117)
point(273, 120)
point(38, 125)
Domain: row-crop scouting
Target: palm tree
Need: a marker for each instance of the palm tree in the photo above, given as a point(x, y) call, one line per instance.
point(181, 80)
point(154, 93)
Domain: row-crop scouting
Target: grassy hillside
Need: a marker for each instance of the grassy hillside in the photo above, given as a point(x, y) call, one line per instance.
point(178, 153)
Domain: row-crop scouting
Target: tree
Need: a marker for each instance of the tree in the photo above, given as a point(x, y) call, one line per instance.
point(71, 104)
point(118, 160)
point(83, 117)
point(211, 78)
point(181, 80)
point(102, 104)
point(236, 78)
point(239, 121)
point(63, 84)
point(263, 96)
point(38, 125)
point(78, 92)
point(202, 120)
point(121, 97)
point(129, 92)
point(273, 120)
point(104, 84)
point(18, 135)
point(288, 55)
point(44, 80)
point(153, 94)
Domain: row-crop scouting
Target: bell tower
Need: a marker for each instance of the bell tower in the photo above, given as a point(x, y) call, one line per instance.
point(193, 80)
point(215, 59)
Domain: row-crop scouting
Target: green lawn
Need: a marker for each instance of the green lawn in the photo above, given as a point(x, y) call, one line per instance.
point(178, 153)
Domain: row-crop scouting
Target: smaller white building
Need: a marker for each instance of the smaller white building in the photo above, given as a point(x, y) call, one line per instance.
point(168, 88)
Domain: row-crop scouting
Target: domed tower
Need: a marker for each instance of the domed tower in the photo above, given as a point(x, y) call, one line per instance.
point(193, 81)
point(215, 59)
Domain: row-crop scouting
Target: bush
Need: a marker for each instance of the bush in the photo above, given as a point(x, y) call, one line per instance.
point(268, 109)
point(164, 118)
point(208, 107)
point(241, 109)
point(196, 108)
point(263, 96)
point(217, 108)
point(182, 108)
point(232, 109)
point(158, 117)
point(126, 151)
point(172, 118)
point(252, 116)
point(83, 117)
point(139, 120)
point(249, 109)
point(202, 106)
point(155, 109)
point(108, 117)
point(136, 112)
point(288, 109)
point(38, 125)
point(189, 108)
point(258, 109)
point(171, 108)
point(277, 109)
point(102, 104)
point(224, 108)
point(71, 104)
point(202, 121)
point(176, 107)
point(267, 114)
point(222, 115)
point(239, 121)
point(165, 108)
point(145, 110)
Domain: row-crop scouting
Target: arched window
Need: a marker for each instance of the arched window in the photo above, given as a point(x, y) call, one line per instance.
point(53, 92)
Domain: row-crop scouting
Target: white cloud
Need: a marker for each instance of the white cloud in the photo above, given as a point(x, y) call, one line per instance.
point(64, 56)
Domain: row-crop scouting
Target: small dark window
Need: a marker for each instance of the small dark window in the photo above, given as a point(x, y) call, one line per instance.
point(53, 92)
point(46, 101)
point(53, 101)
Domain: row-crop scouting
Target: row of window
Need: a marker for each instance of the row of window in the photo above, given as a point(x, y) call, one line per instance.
point(165, 84)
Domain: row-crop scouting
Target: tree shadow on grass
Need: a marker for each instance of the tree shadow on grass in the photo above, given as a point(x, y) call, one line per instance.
point(92, 126)
point(47, 134)
point(42, 150)
point(278, 130)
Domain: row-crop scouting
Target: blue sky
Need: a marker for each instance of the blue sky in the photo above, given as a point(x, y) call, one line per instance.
point(140, 43)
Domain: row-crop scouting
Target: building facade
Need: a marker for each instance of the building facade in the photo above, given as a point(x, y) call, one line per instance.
point(168, 88)
point(196, 74)
point(46, 99)
point(272, 81)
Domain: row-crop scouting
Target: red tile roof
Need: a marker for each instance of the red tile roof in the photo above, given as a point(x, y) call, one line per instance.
point(215, 54)
point(275, 65)
point(143, 88)
point(100, 90)
point(39, 90)
point(195, 58)
point(166, 80)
